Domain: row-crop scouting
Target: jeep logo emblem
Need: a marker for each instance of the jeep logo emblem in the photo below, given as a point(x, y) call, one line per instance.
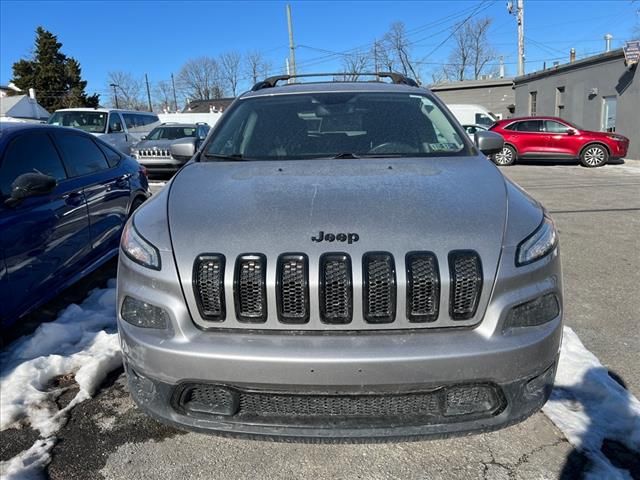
point(333, 237)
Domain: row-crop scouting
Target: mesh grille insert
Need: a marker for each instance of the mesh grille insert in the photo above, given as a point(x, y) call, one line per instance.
point(379, 292)
point(336, 290)
point(208, 277)
point(250, 288)
point(423, 287)
point(466, 284)
point(292, 288)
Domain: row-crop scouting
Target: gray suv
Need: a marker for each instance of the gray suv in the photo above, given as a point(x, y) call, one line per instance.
point(339, 260)
point(154, 150)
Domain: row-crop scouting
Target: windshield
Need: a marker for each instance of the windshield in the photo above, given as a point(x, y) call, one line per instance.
point(92, 122)
point(336, 124)
point(171, 133)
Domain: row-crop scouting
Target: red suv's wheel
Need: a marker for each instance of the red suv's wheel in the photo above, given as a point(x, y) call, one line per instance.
point(506, 157)
point(594, 156)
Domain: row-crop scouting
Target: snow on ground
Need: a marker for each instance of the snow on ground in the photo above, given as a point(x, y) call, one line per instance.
point(81, 342)
point(589, 406)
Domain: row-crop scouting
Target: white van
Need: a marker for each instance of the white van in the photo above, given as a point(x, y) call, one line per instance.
point(120, 128)
point(468, 114)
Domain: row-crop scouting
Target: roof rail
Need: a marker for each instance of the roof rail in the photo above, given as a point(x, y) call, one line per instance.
point(395, 77)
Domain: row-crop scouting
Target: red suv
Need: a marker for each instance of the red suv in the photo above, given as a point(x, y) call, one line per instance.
point(555, 139)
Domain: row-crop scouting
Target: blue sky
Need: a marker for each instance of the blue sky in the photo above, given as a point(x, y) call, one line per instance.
point(157, 37)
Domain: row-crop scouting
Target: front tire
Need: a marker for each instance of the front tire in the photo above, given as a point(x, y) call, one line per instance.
point(594, 156)
point(506, 157)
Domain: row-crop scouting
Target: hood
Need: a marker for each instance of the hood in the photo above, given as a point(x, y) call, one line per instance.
point(160, 144)
point(397, 206)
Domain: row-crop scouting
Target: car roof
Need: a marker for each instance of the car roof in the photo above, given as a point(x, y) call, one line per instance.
point(537, 117)
point(102, 110)
point(328, 87)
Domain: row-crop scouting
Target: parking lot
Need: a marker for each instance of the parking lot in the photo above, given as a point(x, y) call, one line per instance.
point(598, 215)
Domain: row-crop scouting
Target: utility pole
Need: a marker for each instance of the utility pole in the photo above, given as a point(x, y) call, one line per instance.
point(146, 79)
point(520, 18)
point(375, 57)
point(115, 93)
point(175, 100)
point(292, 48)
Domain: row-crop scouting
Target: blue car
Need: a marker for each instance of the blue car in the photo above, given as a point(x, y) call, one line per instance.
point(64, 199)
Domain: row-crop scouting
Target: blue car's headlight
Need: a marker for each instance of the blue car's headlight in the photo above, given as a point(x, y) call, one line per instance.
point(540, 243)
point(138, 249)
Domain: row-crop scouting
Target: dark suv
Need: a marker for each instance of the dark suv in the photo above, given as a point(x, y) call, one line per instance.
point(553, 138)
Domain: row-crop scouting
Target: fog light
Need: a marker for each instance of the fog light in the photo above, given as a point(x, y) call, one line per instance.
point(142, 314)
point(535, 312)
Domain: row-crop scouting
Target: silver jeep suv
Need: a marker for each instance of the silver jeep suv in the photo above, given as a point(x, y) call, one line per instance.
point(339, 260)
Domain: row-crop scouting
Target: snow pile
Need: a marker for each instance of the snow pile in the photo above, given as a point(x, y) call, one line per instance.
point(588, 406)
point(83, 342)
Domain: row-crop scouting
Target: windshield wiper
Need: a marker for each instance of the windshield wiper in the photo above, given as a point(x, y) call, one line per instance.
point(346, 155)
point(234, 156)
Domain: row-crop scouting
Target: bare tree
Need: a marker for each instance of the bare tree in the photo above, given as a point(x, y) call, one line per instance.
point(256, 66)
point(128, 89)
point(162, 94)
point(200, 79)
point(353, 65)
point(398, 47)
point(472, 52)
point(230, 70)
point(383, 60)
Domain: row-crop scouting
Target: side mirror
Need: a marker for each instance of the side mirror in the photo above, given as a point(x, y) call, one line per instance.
point(29, 185)
point(143, 137)
point(489, 142)
point(571, 131)
point(115, 128)
point(183, 149)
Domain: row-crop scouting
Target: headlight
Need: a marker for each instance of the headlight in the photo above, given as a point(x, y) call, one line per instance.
point(538, 244)
point(138, 249)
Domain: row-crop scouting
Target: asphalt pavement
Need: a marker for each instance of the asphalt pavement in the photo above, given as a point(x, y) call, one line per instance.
point(598, 215)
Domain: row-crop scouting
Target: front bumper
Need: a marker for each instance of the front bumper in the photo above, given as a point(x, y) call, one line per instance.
point(518, 364)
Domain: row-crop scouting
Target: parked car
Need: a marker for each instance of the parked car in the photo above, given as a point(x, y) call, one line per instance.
point(338, 260)
point(472, 114)
point(472, 129)
point(552, 138)
point(64, 198)
point(119, 128)
point(154, 150)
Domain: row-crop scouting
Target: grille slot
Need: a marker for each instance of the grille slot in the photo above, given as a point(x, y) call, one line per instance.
point(292, 288)
point(423, 287)
point(379, 292)
point(466, 284)
point(208, 278)
point(336, 289)
point(249, 288)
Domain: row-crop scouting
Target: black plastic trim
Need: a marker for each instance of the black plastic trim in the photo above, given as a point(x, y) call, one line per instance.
point(204, 257)
point(346, 259)
point(453, 256)
point(366, 258)
point(258, 257)
point(407, 262)
point(282, 317)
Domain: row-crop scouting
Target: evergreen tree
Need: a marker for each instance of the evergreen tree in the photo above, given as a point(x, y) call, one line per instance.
point(56, 78)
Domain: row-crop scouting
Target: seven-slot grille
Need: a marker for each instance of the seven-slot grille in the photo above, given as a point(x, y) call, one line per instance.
point(335, 288)
point(154, 153)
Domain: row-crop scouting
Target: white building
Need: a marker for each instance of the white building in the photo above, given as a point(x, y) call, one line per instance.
point(22, 108)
